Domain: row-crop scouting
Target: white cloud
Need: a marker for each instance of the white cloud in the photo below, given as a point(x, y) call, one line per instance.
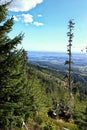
point(27, 18)
point(22, 5)
point(38, 24)
point(39, 15)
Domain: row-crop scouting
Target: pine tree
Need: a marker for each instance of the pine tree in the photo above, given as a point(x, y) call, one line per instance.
point(69, 63)
point(14, 86)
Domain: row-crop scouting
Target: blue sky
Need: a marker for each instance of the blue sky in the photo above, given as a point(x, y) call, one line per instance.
point(44, 23)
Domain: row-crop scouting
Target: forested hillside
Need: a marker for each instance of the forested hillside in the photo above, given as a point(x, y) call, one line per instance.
point(34, 97)
point(52, 95)
point(14, 96)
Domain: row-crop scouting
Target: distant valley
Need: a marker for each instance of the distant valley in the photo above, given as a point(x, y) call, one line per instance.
point(56, 61)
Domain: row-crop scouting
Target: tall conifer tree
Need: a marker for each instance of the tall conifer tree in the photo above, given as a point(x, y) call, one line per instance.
point(69, 62)
point(13, 76)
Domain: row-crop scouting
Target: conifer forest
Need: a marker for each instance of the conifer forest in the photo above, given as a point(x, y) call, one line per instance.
point(34, 97)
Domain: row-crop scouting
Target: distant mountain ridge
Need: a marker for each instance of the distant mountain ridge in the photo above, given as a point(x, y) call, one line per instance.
point(56, 60)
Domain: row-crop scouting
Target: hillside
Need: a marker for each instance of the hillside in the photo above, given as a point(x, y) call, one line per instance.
point(49, 89)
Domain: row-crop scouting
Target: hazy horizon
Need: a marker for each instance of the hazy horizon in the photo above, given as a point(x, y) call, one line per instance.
point(74, 52)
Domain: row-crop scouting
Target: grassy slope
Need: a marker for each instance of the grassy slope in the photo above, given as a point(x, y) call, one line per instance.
point(54, 77)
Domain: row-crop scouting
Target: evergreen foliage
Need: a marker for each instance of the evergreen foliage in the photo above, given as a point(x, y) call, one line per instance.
point(28, 92)
point(57, 99)
point(14, 87)
point(69, 63)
